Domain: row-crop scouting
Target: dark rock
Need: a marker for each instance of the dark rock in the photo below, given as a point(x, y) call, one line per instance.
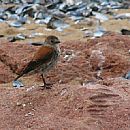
point(125, 32)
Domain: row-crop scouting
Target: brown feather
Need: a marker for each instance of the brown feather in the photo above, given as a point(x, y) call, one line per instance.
point(42, 52)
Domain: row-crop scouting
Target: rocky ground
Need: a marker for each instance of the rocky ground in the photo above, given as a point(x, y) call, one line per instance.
point(88, 93)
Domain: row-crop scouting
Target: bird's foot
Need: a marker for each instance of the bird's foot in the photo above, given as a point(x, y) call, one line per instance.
point(47, 86)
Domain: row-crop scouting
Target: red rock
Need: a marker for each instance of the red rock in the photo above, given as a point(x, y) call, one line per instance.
point(14, 57)
point(93, 106)
point(96, 105)
point(79, 62)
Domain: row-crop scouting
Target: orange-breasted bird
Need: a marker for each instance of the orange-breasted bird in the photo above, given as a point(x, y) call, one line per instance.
point(44, 59)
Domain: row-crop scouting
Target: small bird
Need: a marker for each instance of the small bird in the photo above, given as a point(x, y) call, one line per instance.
point(43, 60)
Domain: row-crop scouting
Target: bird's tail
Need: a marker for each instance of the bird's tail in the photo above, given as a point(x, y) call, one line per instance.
point(18, 77)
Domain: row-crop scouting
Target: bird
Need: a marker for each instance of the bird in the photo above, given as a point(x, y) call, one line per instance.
point(43, 60)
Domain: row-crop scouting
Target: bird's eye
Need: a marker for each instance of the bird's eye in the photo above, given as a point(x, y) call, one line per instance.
point(51, 40)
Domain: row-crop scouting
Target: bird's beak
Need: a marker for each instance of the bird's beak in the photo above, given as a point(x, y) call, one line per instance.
point(57, 41)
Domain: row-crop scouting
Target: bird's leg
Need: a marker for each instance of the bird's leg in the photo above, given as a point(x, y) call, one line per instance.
point(46, 85)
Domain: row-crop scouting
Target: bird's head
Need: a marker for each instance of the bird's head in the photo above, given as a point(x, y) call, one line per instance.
point(52, 40)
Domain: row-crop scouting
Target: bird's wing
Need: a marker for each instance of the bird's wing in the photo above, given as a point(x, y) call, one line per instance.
point(43, 56)
point(43, 53)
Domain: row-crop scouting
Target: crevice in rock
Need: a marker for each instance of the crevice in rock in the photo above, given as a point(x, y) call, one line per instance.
point(8, 61)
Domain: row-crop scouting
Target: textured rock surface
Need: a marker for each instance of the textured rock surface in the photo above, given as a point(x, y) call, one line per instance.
point(67, 107)
point(107, 57)
point(89, 92)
